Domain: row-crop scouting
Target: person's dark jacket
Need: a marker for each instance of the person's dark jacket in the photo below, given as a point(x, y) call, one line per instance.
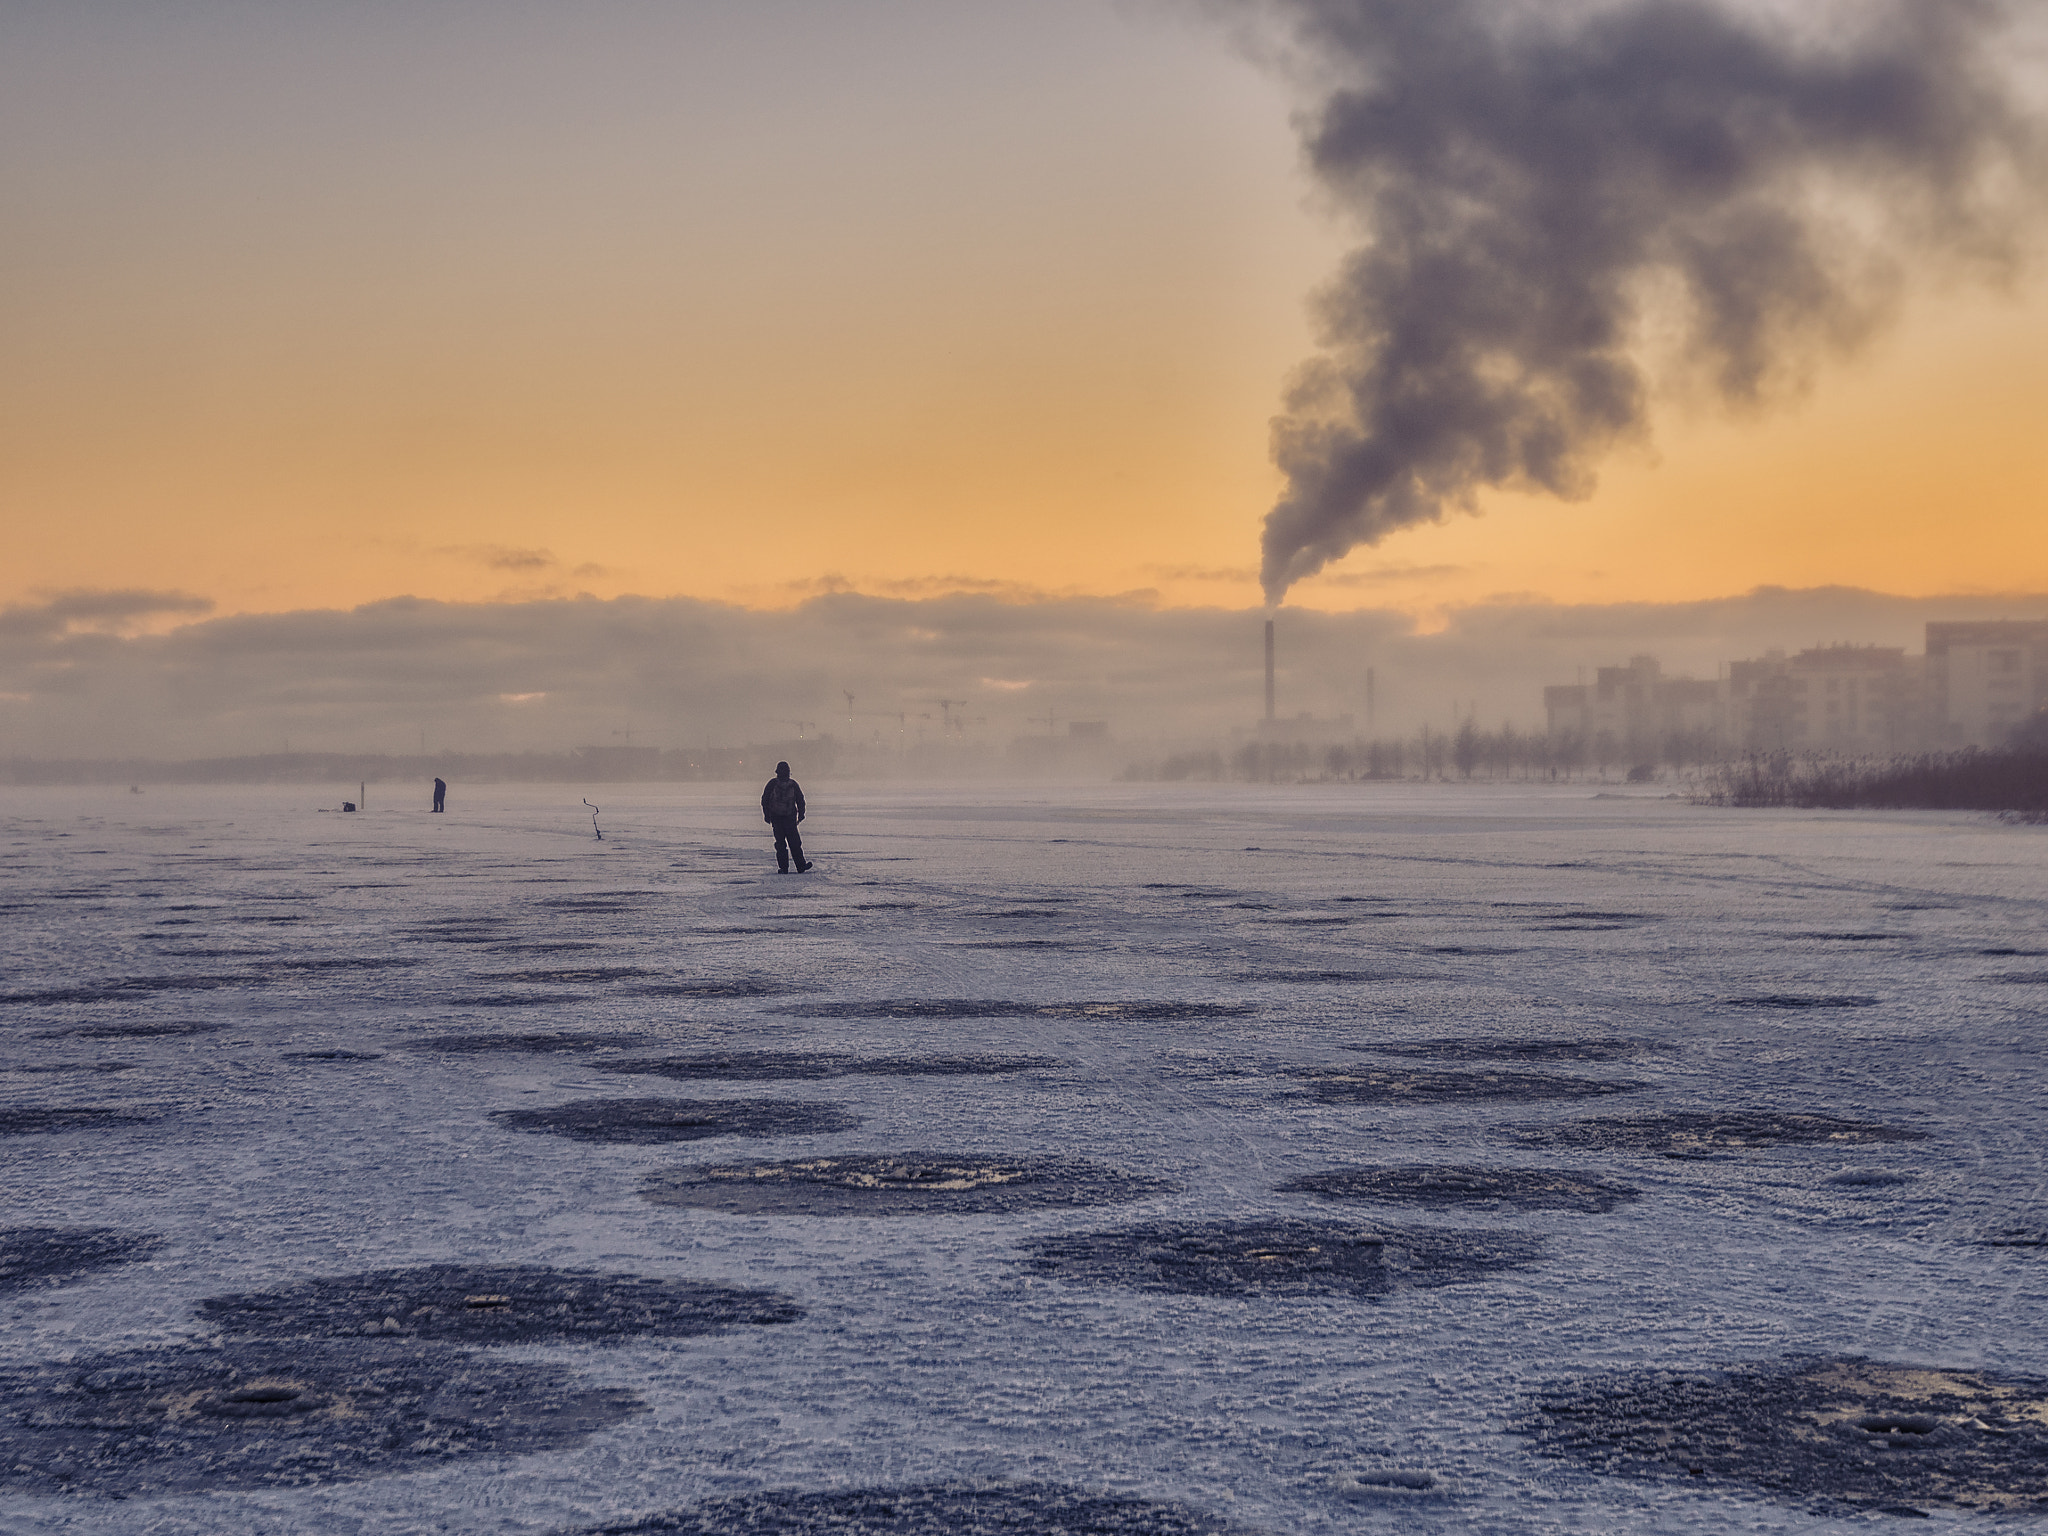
point(782, 800)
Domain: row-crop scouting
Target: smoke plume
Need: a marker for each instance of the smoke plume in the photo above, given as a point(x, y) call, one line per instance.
point(1545, 185)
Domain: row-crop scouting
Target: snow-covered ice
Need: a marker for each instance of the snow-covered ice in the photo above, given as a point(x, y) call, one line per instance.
point(222, 1010)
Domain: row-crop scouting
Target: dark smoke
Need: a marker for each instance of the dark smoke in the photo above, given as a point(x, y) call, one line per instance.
point(1537, 179)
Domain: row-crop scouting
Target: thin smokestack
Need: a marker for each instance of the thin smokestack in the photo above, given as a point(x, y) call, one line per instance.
point(1269, 669)
point(1544, 183)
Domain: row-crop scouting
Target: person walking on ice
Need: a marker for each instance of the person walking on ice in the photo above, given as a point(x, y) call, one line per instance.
point(782, 807)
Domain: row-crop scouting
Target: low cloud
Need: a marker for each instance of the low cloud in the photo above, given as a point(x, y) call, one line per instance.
point(676, 671)
point(97, 610)
point(505, 557)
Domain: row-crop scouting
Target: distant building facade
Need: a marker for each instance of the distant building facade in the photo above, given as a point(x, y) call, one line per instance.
point(1985, 678)
point(1854, 699)
point(1975, 684)
point(1635, 714)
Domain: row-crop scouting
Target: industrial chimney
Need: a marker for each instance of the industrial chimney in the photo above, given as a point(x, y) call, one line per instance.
point(1269, 669)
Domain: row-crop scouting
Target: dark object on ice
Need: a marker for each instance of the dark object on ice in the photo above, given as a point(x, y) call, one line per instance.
point(771, 1066)
point(593, 821)
point(1705, 1133)
point(1795, 1000)
point(1280, 1257)
point(153, 1422)
point(1444, 1185)
point(1833, 1434)
point(1366, 1085)
point(1003, 1008)
point(782, 807)
point(28, 1122)
point(440, 795)
point(52, 1255)
point(545, 1042)
point(942, 1509)
point(494, 1304)
point(334, 1055)
point(648, 1122)
point(909, 1183)
point(1526, 1048)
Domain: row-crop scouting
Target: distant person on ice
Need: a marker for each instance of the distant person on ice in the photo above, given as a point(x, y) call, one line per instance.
point(440, 795)
point(782, 807)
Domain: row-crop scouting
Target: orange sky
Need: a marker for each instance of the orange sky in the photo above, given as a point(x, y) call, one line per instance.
point(342, 309)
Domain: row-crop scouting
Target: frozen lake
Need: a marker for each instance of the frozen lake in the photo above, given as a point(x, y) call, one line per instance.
point(966, 1159)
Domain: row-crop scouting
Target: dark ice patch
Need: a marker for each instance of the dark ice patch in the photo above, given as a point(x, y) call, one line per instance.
point(648, 1122)
point(545, 1042)
point(745, 986)
point(457, 930)
point(334, 1055)
point(1338, 1085)
point(157, 1422)
point(344, 963)
point(1450, 1185)
point(1527, 1048)
point(1003, 1008)
point(1834, 1435)
point(128, 989)
point(2017, 1237)
point(1285, 978)
point(945, 1509)
point(1015, 944)
point(29, 1122)
point(32, 1256)
point(1280, 1257)
point(139, 1030)
point(70, 1066)
point(1707, 1133)
point(1797, 1000)
point(516, 999)
point(909, 1183)
point(494, 1304)
point(769, 1066)
point(569, 975)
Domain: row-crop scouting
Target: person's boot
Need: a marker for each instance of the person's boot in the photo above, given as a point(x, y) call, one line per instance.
point(804, 868)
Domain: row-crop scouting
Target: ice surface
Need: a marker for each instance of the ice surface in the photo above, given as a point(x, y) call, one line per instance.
point(229, 1021)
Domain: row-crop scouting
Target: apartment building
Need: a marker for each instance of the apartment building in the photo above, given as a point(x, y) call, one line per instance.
point(1853, 699)
point(1636, 714)
point(1984, 678)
